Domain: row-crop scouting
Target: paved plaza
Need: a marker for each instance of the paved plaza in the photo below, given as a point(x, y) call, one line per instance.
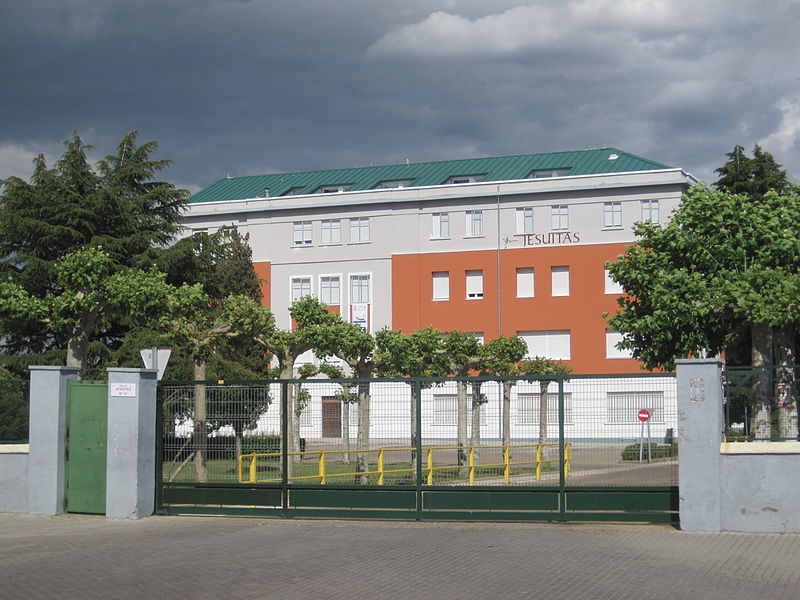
point(198, 558)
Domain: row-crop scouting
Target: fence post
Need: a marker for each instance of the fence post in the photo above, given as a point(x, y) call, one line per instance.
point(418, 445)
point(284, 447)
point(131, 461)
point(48, 423)
point(700, 427)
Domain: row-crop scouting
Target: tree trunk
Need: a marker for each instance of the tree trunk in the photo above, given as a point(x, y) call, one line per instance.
point(296, 412)
point(543, 385)
point(477, 402)
point(461, 458)
point(761, 343)
point(362, 441)
point(507, 385)
point(78, 343)
point(237, 440)
point(199, 418)
point(346, 429)
point(287, 444)
point(414, 407)
point(786, 384)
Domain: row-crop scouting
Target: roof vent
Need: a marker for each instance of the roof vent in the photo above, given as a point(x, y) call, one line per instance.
point(613, 156)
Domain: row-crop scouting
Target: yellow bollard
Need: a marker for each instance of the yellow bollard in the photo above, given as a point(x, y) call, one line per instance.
point(567, 457)
point(472, 465)
point(322, 474)
point(430, 466)
point(506, 464)
point(253, 470)
point(380, 466)
point(538, 462)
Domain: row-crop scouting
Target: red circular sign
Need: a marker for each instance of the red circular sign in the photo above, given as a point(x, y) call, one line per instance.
point(644, 415)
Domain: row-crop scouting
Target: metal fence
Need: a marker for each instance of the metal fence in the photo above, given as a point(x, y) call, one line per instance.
point(583, 430)
point(14, 409)
point(761, 403)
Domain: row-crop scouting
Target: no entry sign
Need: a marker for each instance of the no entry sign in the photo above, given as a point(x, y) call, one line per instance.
point(644, 415)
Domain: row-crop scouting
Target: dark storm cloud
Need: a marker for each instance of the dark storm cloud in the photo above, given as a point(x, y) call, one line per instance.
point(259, 86)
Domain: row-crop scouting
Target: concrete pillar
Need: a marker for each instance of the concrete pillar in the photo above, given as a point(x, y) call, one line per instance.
point(47, 438)
point(131, 464)
point(700, 426)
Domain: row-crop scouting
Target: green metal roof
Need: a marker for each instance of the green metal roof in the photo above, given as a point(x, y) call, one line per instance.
point(498, 168)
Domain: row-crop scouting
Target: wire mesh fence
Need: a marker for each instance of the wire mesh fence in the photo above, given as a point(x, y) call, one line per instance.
point(14, 409)
point(761, 403)
point(582, 430)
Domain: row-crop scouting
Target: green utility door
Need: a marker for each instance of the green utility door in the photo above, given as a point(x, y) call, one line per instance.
point(87, 426)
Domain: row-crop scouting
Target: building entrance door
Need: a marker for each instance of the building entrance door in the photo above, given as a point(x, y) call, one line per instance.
point(331, 417)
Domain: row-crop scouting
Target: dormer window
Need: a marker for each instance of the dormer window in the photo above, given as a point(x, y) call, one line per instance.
point(396, 183)
point(295, 191)
point(464, 179)
point(542, 173)
point(331, 189)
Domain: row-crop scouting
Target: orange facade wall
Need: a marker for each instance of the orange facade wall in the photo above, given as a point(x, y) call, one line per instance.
point(580, 312)
point(264, 272)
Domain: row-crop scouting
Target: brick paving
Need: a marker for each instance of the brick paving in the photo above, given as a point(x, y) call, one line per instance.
point(232, 558)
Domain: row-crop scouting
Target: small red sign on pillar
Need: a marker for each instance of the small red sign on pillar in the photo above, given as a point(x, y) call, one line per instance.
point(644, 415)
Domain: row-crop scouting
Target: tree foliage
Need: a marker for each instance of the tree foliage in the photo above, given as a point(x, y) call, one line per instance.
point(752, 177)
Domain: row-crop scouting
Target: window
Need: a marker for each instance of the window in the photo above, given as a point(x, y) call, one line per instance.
point(525, 282)
point(199, 230)
point(612, 339)
point(302, 233)
point(474, 223)
point(445, 409)
point(331, 189)
point(612, 214)
point(359, 229)
point(559, 281)
point(554, 344)
point(474, 285)
point(330, 290)
point(295, 191)
point(529, 405)
point(559, 220)
point(624, 407)
point(464, 179)
point(441, 225)
point(525, 220)
point(399, 183)
point(650, 211)
point(331, 231)
point(541, 173)
point(611, 286)
point(301, 286)
point(478, 336)
point(359, 289)
point(441, 285)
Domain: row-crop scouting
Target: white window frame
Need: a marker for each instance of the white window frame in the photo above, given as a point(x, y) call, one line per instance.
point(330, 231)
point(393, 184)
point(612, 215)
point(445, 410)
point(559, 217)
point(302, 233)
point(546, 339)
point(612, 352)
point(353, 277)
point(624, 407)
point(474, 284)
point(525, 219)
point(650, 211)
point(611, 286)
point(359, 230)
point(526, 282)
point(456, 179)
point(528, 404)
point(440, 222)
point(559, 281)
point(331, 189)
point(441, 285)
point(305, 290)
point(474, 226)
point(545, 173)
point(326, 289)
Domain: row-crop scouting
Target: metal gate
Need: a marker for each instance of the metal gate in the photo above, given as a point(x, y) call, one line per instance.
point(563, 449)
point(87, 426)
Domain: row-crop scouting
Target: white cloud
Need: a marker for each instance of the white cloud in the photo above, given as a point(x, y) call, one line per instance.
point(787, 135)
point(16, 161)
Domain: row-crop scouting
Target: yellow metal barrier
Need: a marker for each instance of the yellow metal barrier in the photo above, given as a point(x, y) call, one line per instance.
point(324, 474)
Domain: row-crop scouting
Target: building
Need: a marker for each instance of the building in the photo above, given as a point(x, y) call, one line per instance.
point(512, 245)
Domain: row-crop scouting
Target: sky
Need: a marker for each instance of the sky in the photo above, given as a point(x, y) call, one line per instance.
point(246, 87)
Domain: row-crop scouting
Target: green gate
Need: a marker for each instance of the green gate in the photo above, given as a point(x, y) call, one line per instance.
point(599, 461)
point(87, 426)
